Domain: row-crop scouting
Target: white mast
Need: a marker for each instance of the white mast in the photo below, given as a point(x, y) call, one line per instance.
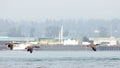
point(61, 35)
point(61, 32)
point(111, 30)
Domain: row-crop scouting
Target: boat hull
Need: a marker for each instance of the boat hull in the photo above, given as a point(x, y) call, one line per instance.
point(76, 48)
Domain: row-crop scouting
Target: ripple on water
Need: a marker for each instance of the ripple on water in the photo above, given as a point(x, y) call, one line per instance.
point(45, 59)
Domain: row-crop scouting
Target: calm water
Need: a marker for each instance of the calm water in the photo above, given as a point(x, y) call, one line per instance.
point(60, 59)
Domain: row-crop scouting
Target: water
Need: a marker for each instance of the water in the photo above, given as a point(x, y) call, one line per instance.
point(60, 59)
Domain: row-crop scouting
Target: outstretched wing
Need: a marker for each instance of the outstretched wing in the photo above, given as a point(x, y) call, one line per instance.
point(36, 46)
point(97, 44)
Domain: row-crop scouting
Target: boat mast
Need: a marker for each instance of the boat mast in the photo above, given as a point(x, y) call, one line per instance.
point(61, 35)
point(111, 30)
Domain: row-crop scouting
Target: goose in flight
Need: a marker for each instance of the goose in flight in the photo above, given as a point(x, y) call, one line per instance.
point(93, 46)
point(15, 46)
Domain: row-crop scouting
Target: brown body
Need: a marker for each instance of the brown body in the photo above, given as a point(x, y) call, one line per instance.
point(29, 48)
point(10, 45)
point(93, 46)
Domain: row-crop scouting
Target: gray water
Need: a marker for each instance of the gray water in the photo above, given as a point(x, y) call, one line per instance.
point(60, 59)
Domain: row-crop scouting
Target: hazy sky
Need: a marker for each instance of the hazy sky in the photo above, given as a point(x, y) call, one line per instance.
point(59, 9)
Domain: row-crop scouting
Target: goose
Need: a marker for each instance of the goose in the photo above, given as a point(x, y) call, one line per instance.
point(28, 46)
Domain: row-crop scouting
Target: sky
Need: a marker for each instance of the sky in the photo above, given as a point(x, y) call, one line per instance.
point(59, 9)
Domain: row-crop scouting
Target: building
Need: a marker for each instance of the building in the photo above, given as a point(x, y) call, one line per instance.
point(110, 41)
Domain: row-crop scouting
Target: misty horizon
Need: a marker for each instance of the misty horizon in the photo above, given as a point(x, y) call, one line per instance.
point(50, 28)
point(35, 10)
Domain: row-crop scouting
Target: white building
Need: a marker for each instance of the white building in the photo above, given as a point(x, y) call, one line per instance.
point(70, 42)
point(111, 41)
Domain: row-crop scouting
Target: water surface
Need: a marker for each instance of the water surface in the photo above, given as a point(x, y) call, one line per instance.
point(60, 59)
